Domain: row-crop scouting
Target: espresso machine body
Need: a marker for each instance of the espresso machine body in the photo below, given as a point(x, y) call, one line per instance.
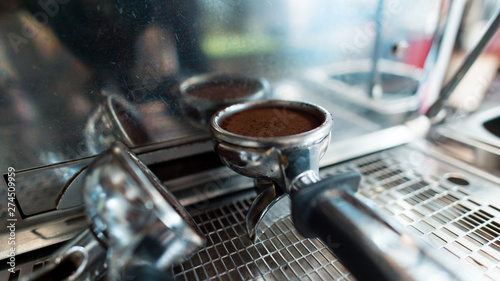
point(78, 76)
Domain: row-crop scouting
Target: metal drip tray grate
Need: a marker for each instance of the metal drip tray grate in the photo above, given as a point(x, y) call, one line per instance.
point(413, 189)
point(405, 185)
point(279, 254)
point(460, 219)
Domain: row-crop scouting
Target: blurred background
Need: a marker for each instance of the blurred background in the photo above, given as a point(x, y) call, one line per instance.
point(61, 60)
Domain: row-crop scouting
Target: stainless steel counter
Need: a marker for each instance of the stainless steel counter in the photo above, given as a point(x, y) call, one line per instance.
point(459, 219)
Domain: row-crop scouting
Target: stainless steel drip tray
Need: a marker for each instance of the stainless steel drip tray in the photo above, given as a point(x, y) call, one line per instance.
point(439, 202)
point(451, 206)
point(350, 80)
point(473, 138)
point(481, 126)
point(279, 254)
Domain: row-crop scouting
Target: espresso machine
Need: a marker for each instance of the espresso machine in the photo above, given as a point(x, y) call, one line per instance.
point(249, 140)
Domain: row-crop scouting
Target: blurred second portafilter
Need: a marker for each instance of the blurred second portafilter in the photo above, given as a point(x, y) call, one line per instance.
point(204, 94)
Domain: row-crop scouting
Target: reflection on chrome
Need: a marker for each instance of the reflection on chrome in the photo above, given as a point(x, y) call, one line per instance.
point(77, 76)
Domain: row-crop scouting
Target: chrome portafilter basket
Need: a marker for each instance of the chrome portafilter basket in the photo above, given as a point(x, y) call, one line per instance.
point(135, 224)
point(202, 95)
point(277, 164)
point(286, 173)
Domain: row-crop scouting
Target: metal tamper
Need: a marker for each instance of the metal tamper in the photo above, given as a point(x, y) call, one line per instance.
point(280, 143)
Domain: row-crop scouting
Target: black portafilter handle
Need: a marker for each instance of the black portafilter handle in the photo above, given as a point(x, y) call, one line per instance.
point(364, 242)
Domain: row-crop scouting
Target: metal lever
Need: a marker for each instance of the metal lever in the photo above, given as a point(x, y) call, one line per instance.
point(375, 83)
point(435, 111)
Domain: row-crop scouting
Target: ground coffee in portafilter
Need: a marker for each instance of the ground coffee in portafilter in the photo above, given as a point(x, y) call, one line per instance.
point(222, 90)
point(270, 122)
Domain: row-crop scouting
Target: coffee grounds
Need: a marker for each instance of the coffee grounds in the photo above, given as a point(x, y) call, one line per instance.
point(270, 122)
point(222, 90)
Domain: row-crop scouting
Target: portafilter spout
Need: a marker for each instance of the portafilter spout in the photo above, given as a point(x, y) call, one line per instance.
point(282, 142)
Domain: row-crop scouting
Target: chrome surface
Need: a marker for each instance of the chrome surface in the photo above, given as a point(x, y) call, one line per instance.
point(460, 221)
point(396, 104)
point(468, 139)
point(481, 154)
point(115, 119)
point(53, 58)
point(200, 110)
point(474, 126)
point(129, 210)
point(280, 159)
point(39, 224)
point(62, 59)
point(48, 230)
point(488, 33)
point(375, 89)
point(368, 143)
point(430, 89)
point(48, 181)
point(83, 258)
point(276, 210)
point(279, 254)
point(196, 189)
point(409, 186)
point(130, 213)
point(52, 179)
point(266, 193)
point(292, 163)
point(305, 179)
point(266, 158)
point(71, 195)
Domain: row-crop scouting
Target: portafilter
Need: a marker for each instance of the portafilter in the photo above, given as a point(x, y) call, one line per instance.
point(131, 211)
point(280, 143)
point(202, 95)
point(135, 225)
